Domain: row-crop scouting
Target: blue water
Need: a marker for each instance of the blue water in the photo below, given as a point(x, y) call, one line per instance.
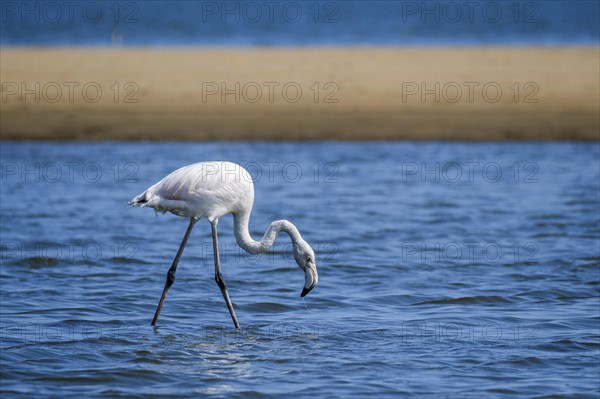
point(292, 23)
point(446, 270)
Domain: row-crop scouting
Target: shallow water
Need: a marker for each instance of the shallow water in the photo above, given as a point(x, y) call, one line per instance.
point(446, 270)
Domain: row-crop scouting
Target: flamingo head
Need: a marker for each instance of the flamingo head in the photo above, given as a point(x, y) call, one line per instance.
point(305, 257)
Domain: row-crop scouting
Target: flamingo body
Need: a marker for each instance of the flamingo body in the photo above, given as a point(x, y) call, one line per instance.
point(201, 190)
point(209, 190)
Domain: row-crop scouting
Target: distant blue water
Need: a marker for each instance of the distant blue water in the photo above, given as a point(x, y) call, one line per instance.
point(293, 23)
point(446, 270)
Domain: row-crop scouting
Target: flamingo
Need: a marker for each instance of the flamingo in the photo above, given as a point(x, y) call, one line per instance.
point(211, 190)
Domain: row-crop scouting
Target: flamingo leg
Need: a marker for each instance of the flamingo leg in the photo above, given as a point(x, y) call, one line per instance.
point(171, 272)
point(219, 277)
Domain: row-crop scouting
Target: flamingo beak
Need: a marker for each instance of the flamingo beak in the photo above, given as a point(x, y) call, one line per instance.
point(310, 281)
point(305, 291)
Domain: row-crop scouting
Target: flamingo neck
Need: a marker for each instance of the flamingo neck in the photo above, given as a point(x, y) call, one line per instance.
point(245, 240)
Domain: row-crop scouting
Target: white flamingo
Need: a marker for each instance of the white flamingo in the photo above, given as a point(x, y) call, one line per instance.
point(210, 190)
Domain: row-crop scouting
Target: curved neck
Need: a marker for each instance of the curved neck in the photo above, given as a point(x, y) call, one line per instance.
point(244, 239)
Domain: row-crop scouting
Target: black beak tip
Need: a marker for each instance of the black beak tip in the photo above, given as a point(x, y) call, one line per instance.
point(305, 291)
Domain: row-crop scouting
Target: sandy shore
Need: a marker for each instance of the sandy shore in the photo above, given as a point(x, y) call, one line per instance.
point(297, 94)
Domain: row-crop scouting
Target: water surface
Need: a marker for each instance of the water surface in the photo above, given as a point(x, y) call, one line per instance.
point(446, 270)
point(300, 23)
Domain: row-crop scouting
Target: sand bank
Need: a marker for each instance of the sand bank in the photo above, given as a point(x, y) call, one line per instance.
point(300, 93)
